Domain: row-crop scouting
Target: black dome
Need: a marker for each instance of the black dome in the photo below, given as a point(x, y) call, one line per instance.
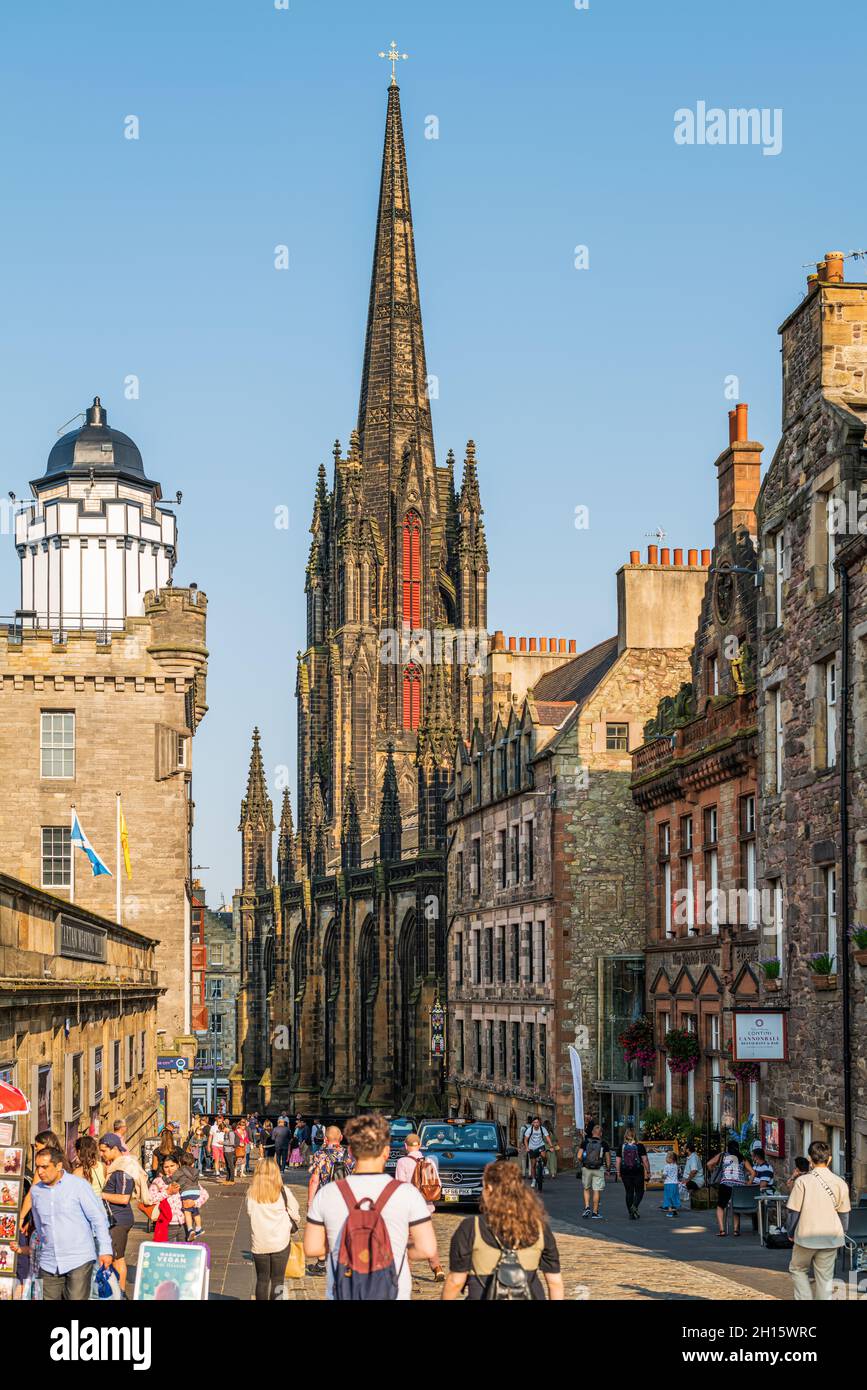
point(96, 447)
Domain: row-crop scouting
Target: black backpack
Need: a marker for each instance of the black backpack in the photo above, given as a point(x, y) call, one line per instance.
point(592, 1156)
point(510, 1281)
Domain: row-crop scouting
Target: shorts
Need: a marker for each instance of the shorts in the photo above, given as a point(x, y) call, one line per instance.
point(593, 1179)
point(119, 1237)
point(724, 1195)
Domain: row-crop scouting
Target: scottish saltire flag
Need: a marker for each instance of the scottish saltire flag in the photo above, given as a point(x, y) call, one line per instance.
point(78, 840)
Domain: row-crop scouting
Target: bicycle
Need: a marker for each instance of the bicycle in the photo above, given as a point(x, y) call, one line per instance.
point(539, 1170)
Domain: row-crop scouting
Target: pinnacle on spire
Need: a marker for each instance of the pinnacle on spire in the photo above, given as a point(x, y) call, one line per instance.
point(470, 498)
point(350, 834)
point(286, 843)
point(393, 402)
point(257, 799)
point(437, 732)
point(257, 824)
point(390, 822)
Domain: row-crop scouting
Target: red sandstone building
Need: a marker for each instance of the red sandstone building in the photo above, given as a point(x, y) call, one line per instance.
point(695, 779)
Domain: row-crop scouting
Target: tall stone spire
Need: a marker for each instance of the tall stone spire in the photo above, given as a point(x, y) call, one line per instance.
point(435, 752)
point(394, 402)
point(350, 835)
point(390, 823)
point(286, 844)
point(257, 824)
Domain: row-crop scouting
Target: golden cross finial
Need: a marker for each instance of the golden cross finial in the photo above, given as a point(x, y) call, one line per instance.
point(393, 57)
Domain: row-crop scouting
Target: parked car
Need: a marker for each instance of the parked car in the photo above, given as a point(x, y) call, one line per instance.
point(462, 1149)
point(401, 1126)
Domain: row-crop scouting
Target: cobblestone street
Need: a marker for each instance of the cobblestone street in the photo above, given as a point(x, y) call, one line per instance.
point(604, 1261)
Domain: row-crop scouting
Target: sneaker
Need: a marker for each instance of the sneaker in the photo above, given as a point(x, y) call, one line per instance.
point(671, 1213)
point(597, 1217)
point(585, 1213)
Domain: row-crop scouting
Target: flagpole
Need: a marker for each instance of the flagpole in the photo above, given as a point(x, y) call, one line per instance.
point(117, 862)
point(71, 857)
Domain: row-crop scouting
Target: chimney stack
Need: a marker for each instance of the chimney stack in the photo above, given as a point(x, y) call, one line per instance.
point(741, 429)
point(834, 268)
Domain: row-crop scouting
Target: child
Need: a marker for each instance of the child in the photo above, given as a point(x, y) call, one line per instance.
point(188, 1186)
point(670, 1185)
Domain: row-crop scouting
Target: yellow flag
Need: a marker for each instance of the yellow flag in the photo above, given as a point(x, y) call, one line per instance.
point(124, 840)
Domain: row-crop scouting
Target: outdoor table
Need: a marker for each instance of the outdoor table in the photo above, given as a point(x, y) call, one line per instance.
point(764, 1201)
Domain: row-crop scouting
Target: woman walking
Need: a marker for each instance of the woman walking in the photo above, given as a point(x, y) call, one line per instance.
point(633, 1170)
point(510, 1219)
point(167, 1148)
point(89, 1166)
point(274, 1216)
point(215, 1147)
point(734, 1172)
point(230, 1145)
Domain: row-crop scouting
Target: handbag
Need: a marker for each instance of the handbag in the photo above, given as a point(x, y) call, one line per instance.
point(295, 1262)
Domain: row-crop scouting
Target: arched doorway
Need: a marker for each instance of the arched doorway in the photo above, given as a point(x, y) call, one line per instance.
point(489, 1112)
point(368, 988)
point(331, 972)
point(513, 1129)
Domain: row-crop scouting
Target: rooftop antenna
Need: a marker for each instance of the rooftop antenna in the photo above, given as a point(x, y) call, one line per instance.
point(659, 533)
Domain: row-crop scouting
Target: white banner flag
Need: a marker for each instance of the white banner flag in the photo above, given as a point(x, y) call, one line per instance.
point(578, 1087)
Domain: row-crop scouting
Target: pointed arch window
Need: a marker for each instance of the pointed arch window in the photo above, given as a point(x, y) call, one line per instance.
point(411, 611)
point(411, 696)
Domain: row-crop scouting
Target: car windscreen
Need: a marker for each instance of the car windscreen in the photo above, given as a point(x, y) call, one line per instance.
point(474, 1138)
point(401, 1128)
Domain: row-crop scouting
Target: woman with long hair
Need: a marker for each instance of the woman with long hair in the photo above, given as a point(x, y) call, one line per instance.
point(274, 1216)
point(89, 1166)
point(511, 1219)
point(167, 1148)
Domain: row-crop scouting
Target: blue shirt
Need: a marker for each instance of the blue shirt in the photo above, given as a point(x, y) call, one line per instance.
point(69, 1218)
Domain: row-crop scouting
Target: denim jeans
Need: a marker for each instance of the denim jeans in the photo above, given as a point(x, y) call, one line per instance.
point(73, 1286)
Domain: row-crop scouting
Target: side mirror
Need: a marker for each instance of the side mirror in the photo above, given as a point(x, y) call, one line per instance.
point(511, 1153)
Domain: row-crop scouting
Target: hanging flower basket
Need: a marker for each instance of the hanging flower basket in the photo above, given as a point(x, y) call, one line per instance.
point(683, 1051)
point(637, 1043)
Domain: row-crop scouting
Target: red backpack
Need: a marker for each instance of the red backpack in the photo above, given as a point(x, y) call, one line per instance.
point(365, 1267)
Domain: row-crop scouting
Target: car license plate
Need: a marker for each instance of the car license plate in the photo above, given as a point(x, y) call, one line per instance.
point(454, 1194)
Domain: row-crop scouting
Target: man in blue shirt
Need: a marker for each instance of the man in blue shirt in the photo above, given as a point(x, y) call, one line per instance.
point(72, 1227)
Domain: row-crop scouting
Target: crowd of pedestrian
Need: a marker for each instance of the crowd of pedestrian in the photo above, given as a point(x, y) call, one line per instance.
point(364, 1229)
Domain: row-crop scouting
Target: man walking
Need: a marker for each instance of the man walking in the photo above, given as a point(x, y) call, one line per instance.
point(594, 1159)
point(72, 1227)
point(330, 1164)
point(410, 1167)
point(404, 1211)
point(280, 1139)
point(821, 1199)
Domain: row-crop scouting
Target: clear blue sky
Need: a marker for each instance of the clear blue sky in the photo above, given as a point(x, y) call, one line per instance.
point(601, 387)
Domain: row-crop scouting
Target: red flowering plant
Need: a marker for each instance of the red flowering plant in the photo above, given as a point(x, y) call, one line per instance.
point(743, 1071)
point(637, 1043)
point(683, 1051)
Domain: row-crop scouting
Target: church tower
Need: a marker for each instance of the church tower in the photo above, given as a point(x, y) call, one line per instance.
point(397, 567)
point(257, 826)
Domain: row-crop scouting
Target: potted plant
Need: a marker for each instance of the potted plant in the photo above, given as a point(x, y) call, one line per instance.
point(859, 943)
point(822, 970)
point(746, 1072)
point(683, 1051)
point(637, 1043)
point(771, 971)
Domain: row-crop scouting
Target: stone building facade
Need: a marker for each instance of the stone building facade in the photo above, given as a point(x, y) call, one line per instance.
point(344, 954)
point(78, 1026)
point(694, 778)
point(217, 1037)
point(545, 932)
point(811, 690)
point(95, 701)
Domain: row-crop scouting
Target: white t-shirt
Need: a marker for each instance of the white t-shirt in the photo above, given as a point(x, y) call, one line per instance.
point(271, 1223)
point(216, 1137)
point(406, 1207)
point(536, 1138)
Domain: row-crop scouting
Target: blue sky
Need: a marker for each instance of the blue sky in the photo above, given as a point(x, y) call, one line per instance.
point(602, 387)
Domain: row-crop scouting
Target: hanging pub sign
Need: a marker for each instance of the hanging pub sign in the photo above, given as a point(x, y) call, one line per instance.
point(760, 1036)
point(437, 1030)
